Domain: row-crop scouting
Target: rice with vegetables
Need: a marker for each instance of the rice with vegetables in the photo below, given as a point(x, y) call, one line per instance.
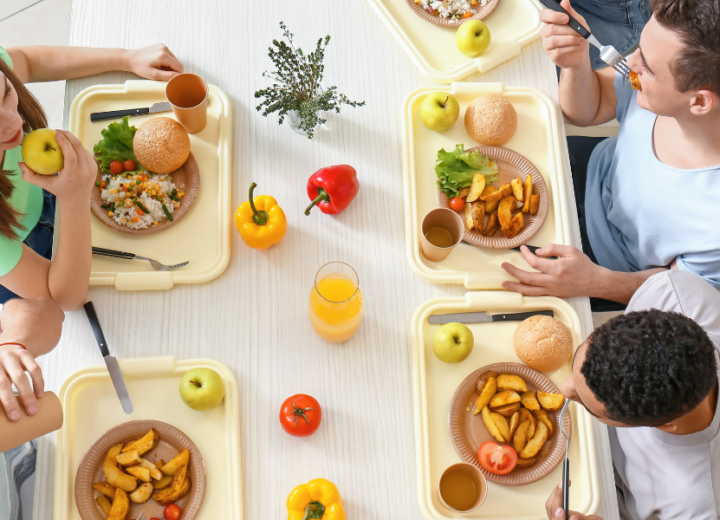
point(140, 200)
point(452, 9)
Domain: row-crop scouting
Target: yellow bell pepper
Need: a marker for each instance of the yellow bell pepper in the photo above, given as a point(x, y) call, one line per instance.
point(260, 221)
point(318, 499)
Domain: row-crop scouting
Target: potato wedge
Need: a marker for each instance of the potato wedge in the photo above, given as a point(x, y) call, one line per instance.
point(154, 471)
point(145, 444)
point(526, 463)
point(486, 387)
point(492, 225)
point(478, 215)
point(490, 205)
point(142, 494)
point(550, 402)
point(167, 496)
point(520, 438)
point(179, 478)
point(511, 382)
point(106, 489)
point(491, 426)
point(514, 423)
point(517, 189)
point(493, 196)
point(528, 189)
point(117, 478)
point(130, 458)
point(162, 483)
point(113, 453)
point(104, 503)
point(502, 425)
point(182, 459)
point(529, 401)
point(476, 188)
point(505, 212)
point(463, 193)
point(506, 190)
point(139, 472)
point(506, 410)
point(159, 464)
point(467, 213)
point(533, 446)
point(516, 225)
point(120, 506)
point(503, 398)
point(543, 417)
point(534, 201)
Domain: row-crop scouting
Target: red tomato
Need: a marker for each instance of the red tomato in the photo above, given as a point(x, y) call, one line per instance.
point(300, 415)
point(457, 204)
point(129, 165)
point(497, 459)
point(116, 167)
point(172, 512)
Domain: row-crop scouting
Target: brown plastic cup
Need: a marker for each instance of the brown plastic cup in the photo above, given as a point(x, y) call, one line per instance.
point(187, 93)
point(478, 479)
point(48, 418)
point(446, 219)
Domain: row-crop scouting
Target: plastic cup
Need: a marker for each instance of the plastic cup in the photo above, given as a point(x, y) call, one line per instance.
point(478, 480)
point(448, 220)
point(187, 93)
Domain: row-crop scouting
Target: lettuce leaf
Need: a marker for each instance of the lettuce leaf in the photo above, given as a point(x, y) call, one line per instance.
point(455, 169)
point(116, 144)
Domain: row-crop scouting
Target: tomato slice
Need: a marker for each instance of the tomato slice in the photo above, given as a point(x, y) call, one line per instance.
point(497, 459)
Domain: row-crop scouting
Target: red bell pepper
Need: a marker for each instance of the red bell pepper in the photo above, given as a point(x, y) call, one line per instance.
point(332, 188)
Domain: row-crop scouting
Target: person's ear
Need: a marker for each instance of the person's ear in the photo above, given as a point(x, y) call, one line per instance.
point(703, 102)
point(670, 427)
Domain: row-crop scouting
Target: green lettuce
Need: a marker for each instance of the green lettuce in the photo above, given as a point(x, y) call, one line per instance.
point(116, 144)
point(455, 169)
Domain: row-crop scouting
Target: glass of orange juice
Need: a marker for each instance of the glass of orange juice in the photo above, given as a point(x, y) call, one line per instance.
point(335, 309)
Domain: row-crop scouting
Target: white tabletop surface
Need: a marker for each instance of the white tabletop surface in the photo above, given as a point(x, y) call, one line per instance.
point(254, 317)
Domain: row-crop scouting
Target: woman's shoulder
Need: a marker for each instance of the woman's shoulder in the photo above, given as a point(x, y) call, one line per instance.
point(5, 57)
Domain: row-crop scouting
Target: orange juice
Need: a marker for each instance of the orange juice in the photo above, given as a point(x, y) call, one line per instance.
point(335, 307)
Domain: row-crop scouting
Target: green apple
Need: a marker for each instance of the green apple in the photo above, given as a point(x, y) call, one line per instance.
point(41, 152)
point(472, 38)
point(453, 342)
point(202, 388)
point(439, 111)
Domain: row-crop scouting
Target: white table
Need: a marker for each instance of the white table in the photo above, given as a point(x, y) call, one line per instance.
point(253, 318)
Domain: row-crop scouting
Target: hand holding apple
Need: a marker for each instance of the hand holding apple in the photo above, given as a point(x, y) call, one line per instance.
point(42, 153)
point(453, 342)
point(439, 111)
point(473, 38)
point(202, 389)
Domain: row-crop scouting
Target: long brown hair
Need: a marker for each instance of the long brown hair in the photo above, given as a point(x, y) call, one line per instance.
point(33, 117)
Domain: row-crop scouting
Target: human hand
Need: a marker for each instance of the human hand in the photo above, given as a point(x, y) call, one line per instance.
point(75, 180)
point(155, 62)
point(554, 510)
point(571, 274)
point(14, 362)
point(566, 48)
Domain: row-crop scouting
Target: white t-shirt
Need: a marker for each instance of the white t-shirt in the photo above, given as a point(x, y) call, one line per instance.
point(660, 475)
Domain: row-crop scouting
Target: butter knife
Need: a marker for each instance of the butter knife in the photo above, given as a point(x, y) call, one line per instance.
point(112, 364)
point(119, 114)
point(484, 317)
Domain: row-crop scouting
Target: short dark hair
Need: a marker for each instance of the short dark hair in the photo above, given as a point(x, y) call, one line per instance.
point(650, 367)
point(698, 23)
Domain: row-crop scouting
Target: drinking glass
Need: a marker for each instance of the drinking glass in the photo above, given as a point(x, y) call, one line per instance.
point(335, 308)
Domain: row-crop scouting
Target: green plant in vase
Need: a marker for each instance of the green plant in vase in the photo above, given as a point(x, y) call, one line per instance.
point(298, 93)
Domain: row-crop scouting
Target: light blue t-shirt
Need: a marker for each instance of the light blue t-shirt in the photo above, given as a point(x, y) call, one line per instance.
point(642, 213)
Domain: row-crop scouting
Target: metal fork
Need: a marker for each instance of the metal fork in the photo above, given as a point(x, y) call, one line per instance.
point(131, 256)
point(566, 464)
point(142, 516)
point(607, 52)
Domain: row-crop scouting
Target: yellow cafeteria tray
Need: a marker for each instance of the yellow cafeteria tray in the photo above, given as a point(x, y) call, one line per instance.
point(512, 25)
point(203, 237)
point(537, 139)
point(434, 383)
point(91, 407)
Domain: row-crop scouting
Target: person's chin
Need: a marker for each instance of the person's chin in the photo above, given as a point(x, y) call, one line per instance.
point(14, 141)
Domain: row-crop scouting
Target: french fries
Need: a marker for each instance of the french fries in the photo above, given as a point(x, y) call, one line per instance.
point(154, 471)
point(490, 205)
point(129, 458)
point(529, 401)
point(521, 435)
point(515, 226)
point(543, 417)
point(505, 211)
point(514, 423)
point(506, 410)
point(503, 398)
point(117, 478)
point(493, 427)
point(534, 201)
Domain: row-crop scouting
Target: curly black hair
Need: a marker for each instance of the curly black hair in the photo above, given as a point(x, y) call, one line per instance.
point(649, 367)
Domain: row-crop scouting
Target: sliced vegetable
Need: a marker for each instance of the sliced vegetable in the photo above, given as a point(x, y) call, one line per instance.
point(497, 459)
point(140, 205)
point(455, 170)
point(167, 213)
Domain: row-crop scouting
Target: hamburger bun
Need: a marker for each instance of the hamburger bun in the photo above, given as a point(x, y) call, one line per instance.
point(161, 145)
point(491, 120)
point(543, 343)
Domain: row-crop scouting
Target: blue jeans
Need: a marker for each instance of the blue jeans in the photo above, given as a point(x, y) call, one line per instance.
point(40, 239)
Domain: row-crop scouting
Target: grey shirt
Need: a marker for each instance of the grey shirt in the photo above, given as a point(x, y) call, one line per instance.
point(660, 475)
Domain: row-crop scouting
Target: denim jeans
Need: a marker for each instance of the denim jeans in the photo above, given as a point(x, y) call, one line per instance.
point(614, 22)
point(40, 239)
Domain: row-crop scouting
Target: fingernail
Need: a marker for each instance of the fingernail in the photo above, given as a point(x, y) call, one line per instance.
point(558, 512)
point(58, 134)
point(32, 409)
point(14, 415)
point(40, 394)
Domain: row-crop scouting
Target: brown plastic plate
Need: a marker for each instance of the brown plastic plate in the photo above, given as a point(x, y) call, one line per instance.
point(172, 442)
point(482, 13)
point(511, 165)
point(188, 174)
point(468, 431)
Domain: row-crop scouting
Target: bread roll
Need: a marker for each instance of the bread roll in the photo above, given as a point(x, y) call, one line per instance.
point(161, 145)
point(543, 343)
point(491, 120)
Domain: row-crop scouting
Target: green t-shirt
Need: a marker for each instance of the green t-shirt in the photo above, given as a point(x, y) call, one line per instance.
point(26, 198)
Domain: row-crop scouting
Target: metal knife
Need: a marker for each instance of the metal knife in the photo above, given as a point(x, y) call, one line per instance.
point(112, 364)
point(484, 317)
point(119, 114)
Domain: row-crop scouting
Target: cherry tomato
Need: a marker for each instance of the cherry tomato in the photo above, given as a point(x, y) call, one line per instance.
point(172, 512)
point(129, 165)
point(300, 415)
point(116, 167)
point(497, 459)
point(457, 204)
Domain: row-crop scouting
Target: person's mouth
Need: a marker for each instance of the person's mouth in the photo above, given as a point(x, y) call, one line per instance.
point(15, 138)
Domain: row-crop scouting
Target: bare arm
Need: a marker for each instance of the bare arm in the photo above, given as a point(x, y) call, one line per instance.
point(46, 63)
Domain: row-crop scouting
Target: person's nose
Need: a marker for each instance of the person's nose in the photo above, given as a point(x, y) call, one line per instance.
point(634, 61)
